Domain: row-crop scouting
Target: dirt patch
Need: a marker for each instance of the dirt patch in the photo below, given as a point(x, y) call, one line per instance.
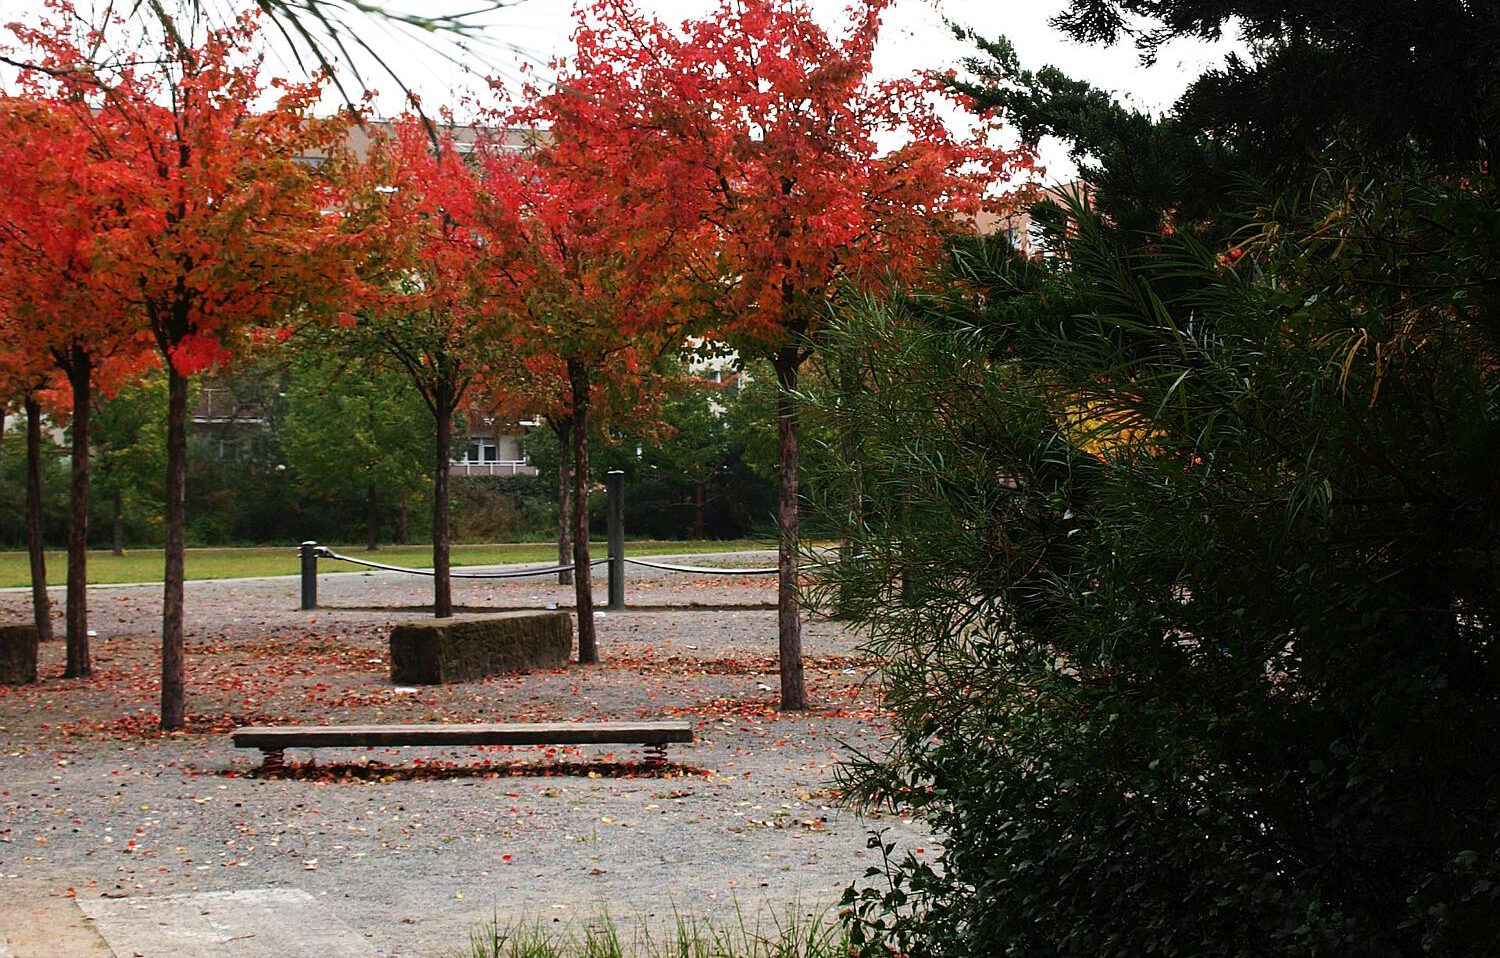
point(412, 847)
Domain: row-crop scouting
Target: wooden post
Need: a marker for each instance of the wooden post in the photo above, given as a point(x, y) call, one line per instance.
point(309, 575)
point(614, 488)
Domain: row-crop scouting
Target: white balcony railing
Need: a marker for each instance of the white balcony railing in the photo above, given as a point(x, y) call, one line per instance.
point(503, 467)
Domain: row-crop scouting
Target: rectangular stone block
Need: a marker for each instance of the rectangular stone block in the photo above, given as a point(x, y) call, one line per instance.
point(17, 654)
point(465, 648)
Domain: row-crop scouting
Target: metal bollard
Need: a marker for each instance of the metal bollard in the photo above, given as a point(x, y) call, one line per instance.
point(614, 492)
point(309, 575)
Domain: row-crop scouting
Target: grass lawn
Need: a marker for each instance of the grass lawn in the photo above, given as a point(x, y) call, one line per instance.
point(145, 565)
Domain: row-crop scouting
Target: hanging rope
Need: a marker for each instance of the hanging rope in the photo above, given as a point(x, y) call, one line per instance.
point(702, 570)
point(326, 553)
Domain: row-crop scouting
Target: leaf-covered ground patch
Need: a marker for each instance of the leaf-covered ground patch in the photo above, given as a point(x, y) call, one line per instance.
point(419, 769)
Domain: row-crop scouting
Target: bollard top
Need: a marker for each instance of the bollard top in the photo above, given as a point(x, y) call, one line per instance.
point(615, 472)
point(309, 542)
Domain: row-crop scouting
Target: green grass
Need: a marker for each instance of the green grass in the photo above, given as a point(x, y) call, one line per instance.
point(145, 565)
point(796, 936)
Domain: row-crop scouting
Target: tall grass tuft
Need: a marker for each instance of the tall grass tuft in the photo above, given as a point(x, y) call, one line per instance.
point(794, 935)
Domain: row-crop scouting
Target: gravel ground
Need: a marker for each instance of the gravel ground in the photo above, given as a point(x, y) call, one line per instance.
point(413, 847)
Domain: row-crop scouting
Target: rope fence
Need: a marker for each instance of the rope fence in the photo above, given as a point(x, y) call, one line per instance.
point(324, 552)
point(702, 570)
point(311, 552)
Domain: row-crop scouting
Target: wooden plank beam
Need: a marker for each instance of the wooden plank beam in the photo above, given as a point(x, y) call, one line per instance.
point(499, 733)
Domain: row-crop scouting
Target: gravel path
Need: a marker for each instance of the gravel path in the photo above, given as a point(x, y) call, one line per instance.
point(413, 847)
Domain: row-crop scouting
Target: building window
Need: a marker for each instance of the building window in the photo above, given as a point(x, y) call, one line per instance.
point(481, 450)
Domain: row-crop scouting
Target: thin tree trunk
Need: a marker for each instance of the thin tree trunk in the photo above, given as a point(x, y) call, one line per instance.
point(117, 522)
point(583, 582)
point(372, 520)
point(787, 362)
point(41, 604)
point(909, 580)
point(699, 498)
point(403, 522)
point(849, 387)
point(80, 381)
point(173, 693)
point(564, 431)
point(442, 585)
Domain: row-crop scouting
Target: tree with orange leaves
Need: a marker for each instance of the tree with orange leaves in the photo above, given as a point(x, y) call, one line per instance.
point(593, 304)
point(220, 224)
point(761, 134)
point(64, 195)
point(425, 287)
point(24, 374)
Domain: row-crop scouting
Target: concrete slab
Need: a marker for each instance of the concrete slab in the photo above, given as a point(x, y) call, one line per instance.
point(251, 923)
point(48, 928)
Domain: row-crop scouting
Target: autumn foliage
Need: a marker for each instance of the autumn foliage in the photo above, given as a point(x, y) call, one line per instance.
point(593, 300)
point(212, 222)
point(62, 319)
point(731, 178)
point(761, 143)
point(423, 290)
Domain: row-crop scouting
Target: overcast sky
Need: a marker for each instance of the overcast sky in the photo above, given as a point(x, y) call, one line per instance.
point(914, 39)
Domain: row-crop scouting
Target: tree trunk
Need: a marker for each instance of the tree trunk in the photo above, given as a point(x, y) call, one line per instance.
point(117, 522)
point(700, 496)
point(403, 522)
point(564, 431)
point(583, 581)
point(442, 585)
point(80, 381)
point(41, 604)
point(173, 693)
point(372, 520)
point(787, 362)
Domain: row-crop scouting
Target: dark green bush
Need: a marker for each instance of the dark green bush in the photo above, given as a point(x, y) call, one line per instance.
point(1185, 568)
point(13, 487)
point(504, 508)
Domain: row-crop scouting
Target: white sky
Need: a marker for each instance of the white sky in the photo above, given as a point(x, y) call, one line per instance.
point(914, 39)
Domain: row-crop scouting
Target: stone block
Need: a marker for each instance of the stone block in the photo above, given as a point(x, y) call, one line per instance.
point(467, 648)
point(17, 654)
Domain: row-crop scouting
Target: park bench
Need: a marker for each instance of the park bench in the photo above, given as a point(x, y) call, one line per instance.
point(273, 741)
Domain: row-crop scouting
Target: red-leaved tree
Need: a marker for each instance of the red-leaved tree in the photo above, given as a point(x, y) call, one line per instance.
point(24, 374)
point(798, 175)
point(590, 297)
point(64, 196)
point(224, 225)
point(426, 287)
